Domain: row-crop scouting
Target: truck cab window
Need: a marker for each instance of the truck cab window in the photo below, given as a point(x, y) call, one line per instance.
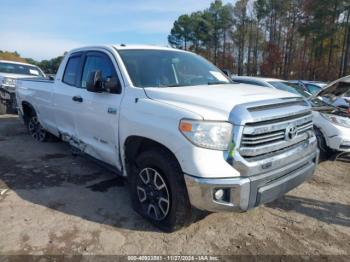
point(71, 71)
point(94, 63)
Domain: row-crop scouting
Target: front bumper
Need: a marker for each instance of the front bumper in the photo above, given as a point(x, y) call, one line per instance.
point(4, 95)
point(8, 98)
point(248, 192)
point(339, 143)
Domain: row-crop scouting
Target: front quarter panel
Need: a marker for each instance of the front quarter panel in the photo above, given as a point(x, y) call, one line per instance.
point(144, 117)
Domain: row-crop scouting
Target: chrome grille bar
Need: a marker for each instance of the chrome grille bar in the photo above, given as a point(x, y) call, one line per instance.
point(271, 127)
point(266, 137)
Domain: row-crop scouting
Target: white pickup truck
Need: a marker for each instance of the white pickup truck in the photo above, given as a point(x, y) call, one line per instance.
point(10, 71)
point(183, 134)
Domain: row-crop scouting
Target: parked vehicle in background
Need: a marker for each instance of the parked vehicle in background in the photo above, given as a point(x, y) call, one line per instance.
point(343, 102)
point(9, 72)
point(332, 121)
point(177, 127)
point(312, 87)
point(266, 82)
point(332, 116)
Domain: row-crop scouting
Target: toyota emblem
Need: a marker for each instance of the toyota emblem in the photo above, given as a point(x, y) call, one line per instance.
point(291, 132)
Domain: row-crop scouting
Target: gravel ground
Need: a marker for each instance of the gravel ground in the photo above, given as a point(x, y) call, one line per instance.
point(54, 203)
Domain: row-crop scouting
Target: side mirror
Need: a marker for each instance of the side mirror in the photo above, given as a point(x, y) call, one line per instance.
point(94, 83)
point(51, 77)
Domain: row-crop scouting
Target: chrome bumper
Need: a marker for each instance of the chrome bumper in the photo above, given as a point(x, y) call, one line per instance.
point(248, 192)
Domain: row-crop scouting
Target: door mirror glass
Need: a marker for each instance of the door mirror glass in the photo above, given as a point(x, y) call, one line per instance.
point(94, 83)
point(97, 84)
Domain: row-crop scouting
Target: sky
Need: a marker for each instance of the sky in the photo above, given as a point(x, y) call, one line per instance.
point(43, 29)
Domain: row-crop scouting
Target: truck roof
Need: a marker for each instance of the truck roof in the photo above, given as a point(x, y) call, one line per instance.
point(130, 47)
point(126, 47)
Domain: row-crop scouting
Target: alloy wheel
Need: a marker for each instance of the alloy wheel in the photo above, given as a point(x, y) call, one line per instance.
point(153, 193)
point(36, 130)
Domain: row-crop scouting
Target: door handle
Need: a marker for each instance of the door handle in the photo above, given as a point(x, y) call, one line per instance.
point(77, 99)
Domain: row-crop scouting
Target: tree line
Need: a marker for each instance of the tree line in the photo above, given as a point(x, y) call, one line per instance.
point(290, 39)
point(48, 66)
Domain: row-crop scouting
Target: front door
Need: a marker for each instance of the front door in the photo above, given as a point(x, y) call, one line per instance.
point(97, 118)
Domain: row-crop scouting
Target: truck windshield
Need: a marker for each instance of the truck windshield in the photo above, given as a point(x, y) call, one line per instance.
point(20, 69)
point(166, 68)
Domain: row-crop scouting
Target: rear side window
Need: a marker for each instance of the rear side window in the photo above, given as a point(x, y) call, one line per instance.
point(71, 71)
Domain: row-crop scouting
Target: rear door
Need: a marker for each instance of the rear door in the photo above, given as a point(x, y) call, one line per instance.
point(65, 98)
point(96, 118)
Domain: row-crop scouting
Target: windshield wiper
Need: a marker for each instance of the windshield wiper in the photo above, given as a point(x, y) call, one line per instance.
point(173, 85)
point(219, 83)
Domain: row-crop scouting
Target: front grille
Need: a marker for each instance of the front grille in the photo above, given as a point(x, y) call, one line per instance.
point(270, 136)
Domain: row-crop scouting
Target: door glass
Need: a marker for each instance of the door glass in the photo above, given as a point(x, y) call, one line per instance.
point(71, 71)
point(94, 63)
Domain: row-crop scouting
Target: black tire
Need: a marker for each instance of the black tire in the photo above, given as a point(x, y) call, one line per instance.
point(36, 130)
point(325, 151)
point(161, 164)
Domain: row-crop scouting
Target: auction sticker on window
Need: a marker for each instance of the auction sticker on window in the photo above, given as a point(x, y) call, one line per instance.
point(219, 76)
point(34, 72)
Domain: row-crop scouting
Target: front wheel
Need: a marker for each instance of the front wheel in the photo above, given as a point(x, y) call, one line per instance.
point(158, 190)
point(36, 130)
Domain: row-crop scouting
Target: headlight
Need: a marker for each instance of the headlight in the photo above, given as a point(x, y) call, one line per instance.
point(207, 134)
point(338, 120)
point(9, 81)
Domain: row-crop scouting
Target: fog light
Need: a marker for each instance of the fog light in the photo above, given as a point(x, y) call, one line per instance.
point(219, 194)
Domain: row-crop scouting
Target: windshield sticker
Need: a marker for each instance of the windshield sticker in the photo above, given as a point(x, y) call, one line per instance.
point(219, 76)
point(34, 72)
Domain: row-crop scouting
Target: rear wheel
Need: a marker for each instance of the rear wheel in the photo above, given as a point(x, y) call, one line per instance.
point(158, 190)
point(36, 130)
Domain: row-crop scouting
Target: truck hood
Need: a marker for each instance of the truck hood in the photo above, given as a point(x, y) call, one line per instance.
point(337, 88)
point(214, 102)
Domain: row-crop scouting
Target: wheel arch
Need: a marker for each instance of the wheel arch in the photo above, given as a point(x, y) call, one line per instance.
point(135, 145)
point(28, 110)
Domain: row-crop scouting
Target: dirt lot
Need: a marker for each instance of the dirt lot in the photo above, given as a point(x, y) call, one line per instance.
point(57, 203)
